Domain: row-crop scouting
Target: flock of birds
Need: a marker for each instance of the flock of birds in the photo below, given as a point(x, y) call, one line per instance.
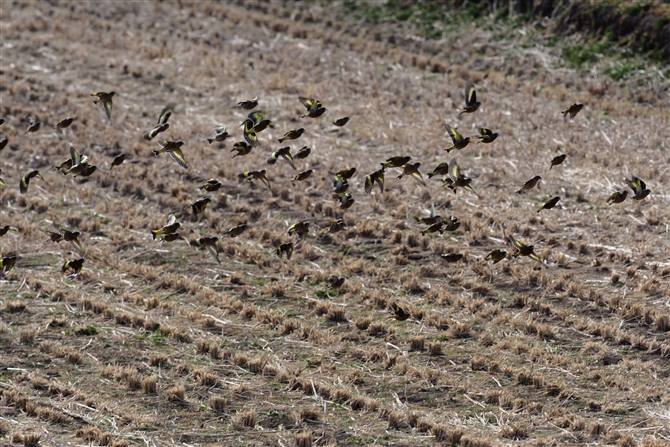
point(449, 173)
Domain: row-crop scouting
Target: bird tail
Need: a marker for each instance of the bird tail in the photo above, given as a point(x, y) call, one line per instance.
point(155, 233)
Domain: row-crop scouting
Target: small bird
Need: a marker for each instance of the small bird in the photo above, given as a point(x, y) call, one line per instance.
point(335, 226)
point(303, 175)
point(549, 204)
point(557, 160)
point(6, 228)
point(451, 223)
point(617, 197)
point(285, 153)
point(496, 255)
point(235, 231)
point(341, 121)
point(638, 187)
point(287, 249)
point(441, 169)
point(118, 160)
point(303, 152)
point(257, 175)
point(242, 148)
point(220, 134)
point(76, 265)
point(572, 110)
point(396, 162)
point(33, 124)
point(375, 177)
point(314, 107)
point(530, 184)
point(459, 141)
point(345, 199)
point(399, 314)
point(63, 124)
point(210, 244)
point(25, 180)
point(248, 104)
point(77, 163)
point(161, 124)
point(346, 174)
point(250, 134)
point(301, 229)
point(432, 228)
point(87, 171)
point(292, 134)
point(73, 238)
point(199, 205)
point(172, 237)
point(340, 185)
point(171, 227)
point(486, 135)
point(173, 149)
point(7, 263)
point(260, 122)
point(471, 103)
point(524, 250)
point(334, 282)
point(451, 257)
point(54, 235)
point(211, 185)
point(106, 99)
point(413, 170)
point(3, 143)
point(156, 130)
point(458, 180)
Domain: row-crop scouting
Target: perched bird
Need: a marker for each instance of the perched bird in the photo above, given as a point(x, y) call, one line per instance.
point(486, 135)
point(459, 141)
point(441, 169)
point(249, 104)
point(341, 121)
point(210, 244)
point(617, 197)
point(250, 134)
point(458, 179)
point(25, 180)
point(211, 185)
point(106, 99)
point(33, 124)
point(303, 152)
point(76, 265)
point(6, 228)
point(118, 160)
point(334, 282)
point(314, 107)
point(375, 177)
point(399, 314)
point(345, 200)
point(285, 153)
point(257, 175)
point(303, 175)
point(396, 162)
point(260, 122)
point(572, 110)
point(242, 148)
point(471, 103)
point(63, 124)
point(496, 255)
point(346, 174)
point(638, 187)
point(286, 248)
point(451, 257)
point(413, 170)
point(530, 184)
point(161, 125)
point(292, 134)
point(199, 205)
point(235, 231)
point(557, 160)
point(549, 204)
point(301, 229)
point(3, 143)
point(524, 250)
point(220, 134)
point(171, 227)
point(335, 226)
point(173, 149)
point(7, 263)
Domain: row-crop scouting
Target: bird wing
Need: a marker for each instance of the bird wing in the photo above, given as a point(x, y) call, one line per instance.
point(416, 175)
point(380, 181)
point(164, 115)
point(454, 171)
point(74, 156)
point(108, 108)
point(369, 183)
point(470, 94)
point(178, 156)
point(171, 220)
point(255, 117)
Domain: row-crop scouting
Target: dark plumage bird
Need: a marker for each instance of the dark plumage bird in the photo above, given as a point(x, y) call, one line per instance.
point(220, 134)
point(64, 124)
point(524, 250)
point(242, 148)
point(346, 174)
point(209, 243)
point(471, 103)
point(345, 200)
point(76, 265)
point(303, 175)
point(171, 227)
point(441, 169)
point(173, 149)
point(292, 134)
point(260, 123)
point(314, 107)
point(25, 180)
point(496, 255)
point(458, 180)
point(301, 229)
point(118, 160)
point(549, 204)
point(396, 162)
point(257, 175)
point(335, 226)
point(285, 249)
point(7, 228)
point(413, 170)
point(376, 177)
point(639, 188)
point(248, 104)
point(459, 142)
point(572, 110)
point(211, 185)
point(557, 160)
point(199, 205)
point(250, 134)
point(617, 197)
point(33, 124)
point(486, 135)
point(7, 263)
point(303, 152)
point(341, 121)
point(161, 124)
point(335, 282)
point(399, 313)
point(73, 238)
point(530, 184)
point(106, 99)
point(285, 153)
point(235, 231)
point(451, 257)
point(3, 143)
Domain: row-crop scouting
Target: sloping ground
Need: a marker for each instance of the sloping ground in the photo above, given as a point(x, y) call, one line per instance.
point(157, 344)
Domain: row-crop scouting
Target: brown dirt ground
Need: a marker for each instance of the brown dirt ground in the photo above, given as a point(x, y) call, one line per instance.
point(256, 350)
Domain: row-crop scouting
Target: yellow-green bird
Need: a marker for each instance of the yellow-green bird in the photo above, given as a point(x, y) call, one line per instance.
point(106, 99)
point(399, 313)
point(301, 229)
point(242, 148)
point(638, 187)
point(303, 175)
point(211, 185)
point(6, 228)
point(118, 160)
point(557, 160)
point(33, 124)
point(335, 282)
point(171, 227)
point(572, 110)
point(25, 180)
point(617, 197)
point(340, 185)
point(303, 152)
point(285, 249)
point(220, 134)
point(486, 135)
point(459, 141)
point(335, 226)
point(248, 104)
point(285, 153)
point(458, 179)
point(441, 169)
point(250, 134)
point(257, 175)
point(471, 103)
point(292, 134)
point(314, 107)
point(199, 205)
point(496, 255)
point(341, 121)
point(451, 257)
point(76, 265)
point(413, 170)
point(235, 231)
point(530, 184)
point(396, 162)
point(3, 143)
point(345, 200)
point(524, 250)
point(260, 122)
point(346, 173)
point(210, 244)
point(161, 124)
point(65, 123)
point(549, 204)
point(173, 149)
point(375, 177)
point(7, 263)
